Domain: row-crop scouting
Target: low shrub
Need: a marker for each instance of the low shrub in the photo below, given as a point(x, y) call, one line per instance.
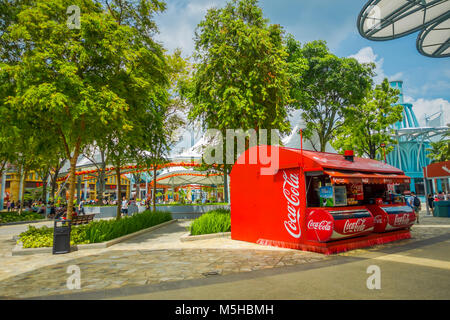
point(214, 221)
point(96, 231)
point(6, 217)
point(193, 204)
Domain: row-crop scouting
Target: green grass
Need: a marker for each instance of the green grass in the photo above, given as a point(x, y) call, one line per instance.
point(214, 221)
point(96, 231)
point(12, 216)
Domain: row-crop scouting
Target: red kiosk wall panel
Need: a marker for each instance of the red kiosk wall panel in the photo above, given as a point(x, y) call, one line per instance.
point(267, 207)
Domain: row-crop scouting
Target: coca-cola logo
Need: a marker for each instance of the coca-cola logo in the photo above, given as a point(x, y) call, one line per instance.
point(401, 220)
point(291, 193)
point(320, 225)
point(378, 219)
point(357, 226)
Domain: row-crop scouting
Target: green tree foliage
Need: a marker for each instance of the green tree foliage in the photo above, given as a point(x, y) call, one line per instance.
point(325, 88)
point(440, 150)
point(240, 79)
point(144, 86)
point(78, 85)
point(368, 125)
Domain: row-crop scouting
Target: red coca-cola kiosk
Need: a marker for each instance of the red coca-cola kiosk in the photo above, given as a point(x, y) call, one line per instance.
point(316, 201)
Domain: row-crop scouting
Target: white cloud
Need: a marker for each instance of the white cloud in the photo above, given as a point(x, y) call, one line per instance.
point(427, 107)
point(421, 107)
point(366, 55)
point(177, 24)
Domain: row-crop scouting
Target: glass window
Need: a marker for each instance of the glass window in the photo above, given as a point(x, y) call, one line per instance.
point(445, 186)
point(402, 188)
point(419, 185)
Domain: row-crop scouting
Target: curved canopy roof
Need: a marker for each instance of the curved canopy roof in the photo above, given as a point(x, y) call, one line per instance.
point(391, 19)
point(434, 41)
point(188, 177)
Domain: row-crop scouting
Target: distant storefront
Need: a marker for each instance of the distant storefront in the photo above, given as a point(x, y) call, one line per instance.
point(438, 177)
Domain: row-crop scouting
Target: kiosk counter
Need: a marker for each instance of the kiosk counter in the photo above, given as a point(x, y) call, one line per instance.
point(316, 201)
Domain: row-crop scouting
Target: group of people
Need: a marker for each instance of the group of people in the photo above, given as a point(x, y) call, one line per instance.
point(129, 207)
point(28, 206)
point(441, 196)
point(414, 202)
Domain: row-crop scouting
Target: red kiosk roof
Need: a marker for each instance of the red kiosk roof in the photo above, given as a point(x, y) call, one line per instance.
point(319, 161)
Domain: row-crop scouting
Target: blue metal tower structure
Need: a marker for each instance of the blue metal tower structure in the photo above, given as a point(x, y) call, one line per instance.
point(410, 154)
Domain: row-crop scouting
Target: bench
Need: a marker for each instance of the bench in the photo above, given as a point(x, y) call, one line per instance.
point(82, 219)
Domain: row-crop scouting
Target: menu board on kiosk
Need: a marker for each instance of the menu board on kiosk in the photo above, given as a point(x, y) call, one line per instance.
point(332, 196)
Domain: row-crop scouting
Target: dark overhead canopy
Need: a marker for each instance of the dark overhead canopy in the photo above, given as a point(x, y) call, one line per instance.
point(391, 19)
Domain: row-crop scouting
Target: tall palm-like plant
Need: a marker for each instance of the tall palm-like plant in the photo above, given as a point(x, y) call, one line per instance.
point(440, 150)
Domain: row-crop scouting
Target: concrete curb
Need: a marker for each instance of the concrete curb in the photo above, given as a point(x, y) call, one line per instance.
point(24, 222)
point(188, 236)
point(18, 250)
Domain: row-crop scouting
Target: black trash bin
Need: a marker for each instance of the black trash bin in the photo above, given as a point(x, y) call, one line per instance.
point(61, 236)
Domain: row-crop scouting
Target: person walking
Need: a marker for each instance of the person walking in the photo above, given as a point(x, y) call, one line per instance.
point(124, 206)
point(81, 208)
point(414, 202)
point(431, 203)
point(8, 205)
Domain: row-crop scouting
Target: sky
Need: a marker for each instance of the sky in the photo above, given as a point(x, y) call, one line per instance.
point(426, 81)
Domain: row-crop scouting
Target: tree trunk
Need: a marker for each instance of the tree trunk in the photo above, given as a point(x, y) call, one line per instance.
point(72, 183)
point(54, 184)
point(154, 188)
point(323, 144)
point(101, 184)
point(137, 181)
point(44, 187)
point(225, 183)
point(22, 188)
point(101, 178)
point(2, 190)
point(119, 202)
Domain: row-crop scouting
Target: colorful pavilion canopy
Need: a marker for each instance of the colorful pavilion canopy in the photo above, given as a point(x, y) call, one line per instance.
point(188, 177)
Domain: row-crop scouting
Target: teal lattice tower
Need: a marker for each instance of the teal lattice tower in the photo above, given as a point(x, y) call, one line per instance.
point(410, 153)
point(409, 118)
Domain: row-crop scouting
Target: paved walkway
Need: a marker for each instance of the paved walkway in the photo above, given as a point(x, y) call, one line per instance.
point(159, 257)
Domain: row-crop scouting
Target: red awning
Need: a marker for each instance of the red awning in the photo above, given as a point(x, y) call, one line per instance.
point(339, 177)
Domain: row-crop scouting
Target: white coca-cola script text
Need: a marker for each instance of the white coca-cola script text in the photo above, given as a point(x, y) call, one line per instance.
point(292, 193)
point(357, 226)
point(320, 225)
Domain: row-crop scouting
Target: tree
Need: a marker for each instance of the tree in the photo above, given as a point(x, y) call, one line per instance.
point(144, 86)
point(240, 78)
point(54, 173)
point(72, 82)
point(368, 125)
point(440, 150)
point(96, 154)
point(325, 88)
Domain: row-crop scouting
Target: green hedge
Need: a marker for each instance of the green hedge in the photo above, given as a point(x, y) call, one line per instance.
point(96, 231)
point(214, 221)
point(6, 217)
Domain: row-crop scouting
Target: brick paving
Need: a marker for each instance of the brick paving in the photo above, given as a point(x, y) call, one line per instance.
point(158, 257)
